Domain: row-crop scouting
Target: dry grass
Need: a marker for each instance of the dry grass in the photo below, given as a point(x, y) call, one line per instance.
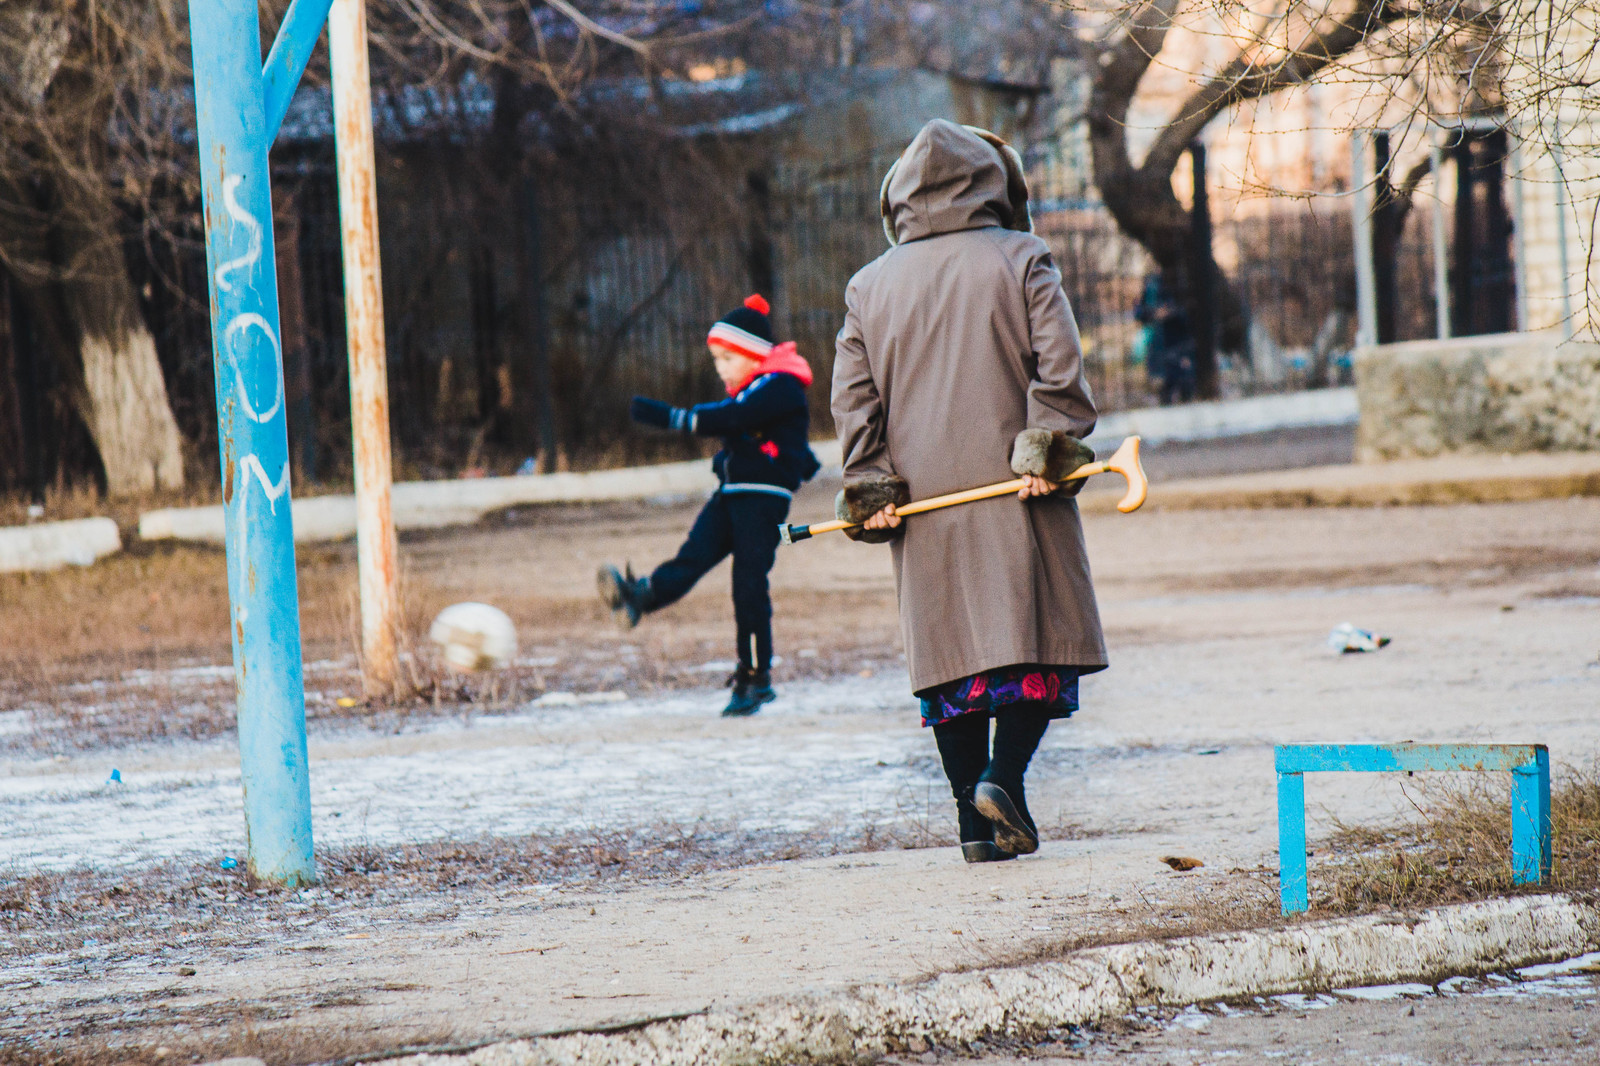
point(136, 647)
point(1459, 848)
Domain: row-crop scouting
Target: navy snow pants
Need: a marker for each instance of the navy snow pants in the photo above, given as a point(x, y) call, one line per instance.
point(745, 525)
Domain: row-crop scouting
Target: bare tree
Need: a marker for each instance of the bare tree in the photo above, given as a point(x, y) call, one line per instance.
point(70, 74)
point(1442, 55)
point(96, 150)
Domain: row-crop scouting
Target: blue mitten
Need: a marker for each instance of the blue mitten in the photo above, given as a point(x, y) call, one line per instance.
point(655, 413)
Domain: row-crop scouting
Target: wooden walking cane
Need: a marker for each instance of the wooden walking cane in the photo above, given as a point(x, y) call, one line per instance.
point(1125, 461)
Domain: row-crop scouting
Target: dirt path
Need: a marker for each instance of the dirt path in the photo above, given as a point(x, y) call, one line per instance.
point(614, 857)
point(538, 903)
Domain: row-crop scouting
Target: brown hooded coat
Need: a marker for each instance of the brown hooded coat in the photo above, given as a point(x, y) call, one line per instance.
point(955, 340)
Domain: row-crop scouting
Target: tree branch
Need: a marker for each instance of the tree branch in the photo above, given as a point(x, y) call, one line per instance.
point(1122, 65)
point(1405, 194)
point(1244, 78)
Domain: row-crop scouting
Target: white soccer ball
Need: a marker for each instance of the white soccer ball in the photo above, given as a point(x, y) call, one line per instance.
point(474, 636)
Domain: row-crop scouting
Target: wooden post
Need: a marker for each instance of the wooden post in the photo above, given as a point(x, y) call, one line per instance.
point(30, 398)
point(1441, 253)
point(1361, 221)
point(376, 551)
point(533, 387)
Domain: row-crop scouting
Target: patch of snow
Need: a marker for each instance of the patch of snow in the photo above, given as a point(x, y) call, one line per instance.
point(1589, 963)
point(1383, 993)
point(578, 699)
point(551, 769)
point(1298, 1001)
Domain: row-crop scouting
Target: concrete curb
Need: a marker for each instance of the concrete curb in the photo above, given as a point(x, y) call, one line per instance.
point(1229, 418)
point(955, 1009)
point(1446, 479)
point(436, 504)
point(52, 545)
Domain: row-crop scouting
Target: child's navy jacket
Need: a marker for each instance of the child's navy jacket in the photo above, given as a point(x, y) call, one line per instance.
point(765, 435)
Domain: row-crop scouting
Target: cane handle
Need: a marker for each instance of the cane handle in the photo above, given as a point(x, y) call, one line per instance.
point(1124, 461)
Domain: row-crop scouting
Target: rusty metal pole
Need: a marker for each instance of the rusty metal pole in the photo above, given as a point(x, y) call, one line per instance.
point(376, 551)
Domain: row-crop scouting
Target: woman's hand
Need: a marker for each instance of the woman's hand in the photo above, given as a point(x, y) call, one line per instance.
point(887, 518)
point(1033, 485)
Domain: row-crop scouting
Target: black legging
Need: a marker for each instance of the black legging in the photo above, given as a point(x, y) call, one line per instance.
point(964, 749)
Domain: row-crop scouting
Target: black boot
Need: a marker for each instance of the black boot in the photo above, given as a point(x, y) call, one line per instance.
point(751, 688)
point(626, 595)
point(964, 751)
point(999, 793)
point(977, 834)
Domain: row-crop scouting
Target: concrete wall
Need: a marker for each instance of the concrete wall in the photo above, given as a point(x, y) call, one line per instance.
point(1515, 392)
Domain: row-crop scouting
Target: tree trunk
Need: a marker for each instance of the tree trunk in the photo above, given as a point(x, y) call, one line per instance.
point(121, 394)
point(59, 235)
point(1146, 209)
point(126, 409)
point(90, 321)
point(1140, 198)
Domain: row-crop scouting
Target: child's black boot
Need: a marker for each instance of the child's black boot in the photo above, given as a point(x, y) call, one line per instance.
point(627, 596)
point(751, 688)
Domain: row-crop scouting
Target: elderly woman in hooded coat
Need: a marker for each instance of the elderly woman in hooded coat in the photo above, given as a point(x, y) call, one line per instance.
point(959, 365)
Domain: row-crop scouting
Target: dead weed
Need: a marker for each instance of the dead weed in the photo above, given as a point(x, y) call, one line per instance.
point(1459, 848)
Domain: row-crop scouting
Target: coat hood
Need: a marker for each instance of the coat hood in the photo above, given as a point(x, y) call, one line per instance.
point(951, 178)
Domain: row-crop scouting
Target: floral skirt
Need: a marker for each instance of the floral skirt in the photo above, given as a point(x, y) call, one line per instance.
point(1055, 688)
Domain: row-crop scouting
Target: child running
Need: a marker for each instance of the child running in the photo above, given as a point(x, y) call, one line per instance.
point(959, 365)
point(766, 455)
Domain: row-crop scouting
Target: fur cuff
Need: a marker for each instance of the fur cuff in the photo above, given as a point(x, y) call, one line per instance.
point(1048, 453)
point(860, 500)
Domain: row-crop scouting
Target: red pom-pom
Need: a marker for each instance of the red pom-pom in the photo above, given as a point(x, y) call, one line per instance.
point(758, 304)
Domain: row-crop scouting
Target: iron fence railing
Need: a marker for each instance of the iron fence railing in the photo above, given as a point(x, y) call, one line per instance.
point(626, 306)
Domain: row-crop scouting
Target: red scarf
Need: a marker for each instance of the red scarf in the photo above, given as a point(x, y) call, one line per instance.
point(783, 359)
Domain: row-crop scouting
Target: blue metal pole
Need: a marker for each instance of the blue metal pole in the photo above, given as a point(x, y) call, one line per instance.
point(1530, 821)
point(1292, 888)
point(264, 617)
point(291, 51)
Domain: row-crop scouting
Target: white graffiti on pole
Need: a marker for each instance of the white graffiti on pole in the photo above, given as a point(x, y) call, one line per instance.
point(230, 335)
point(250, 467)
point(252, 255)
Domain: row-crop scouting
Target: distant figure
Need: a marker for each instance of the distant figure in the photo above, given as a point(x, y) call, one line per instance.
point(1169, 351)
point(765, 456)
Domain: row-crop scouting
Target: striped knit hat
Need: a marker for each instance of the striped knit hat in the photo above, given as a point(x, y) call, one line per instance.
point(747, 330)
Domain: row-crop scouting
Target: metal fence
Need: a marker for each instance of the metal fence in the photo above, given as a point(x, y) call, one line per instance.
point(625, 307)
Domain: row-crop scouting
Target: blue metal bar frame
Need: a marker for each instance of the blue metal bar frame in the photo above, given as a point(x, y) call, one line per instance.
point(291, 51)
point(1529, 765)
point(235, 131)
